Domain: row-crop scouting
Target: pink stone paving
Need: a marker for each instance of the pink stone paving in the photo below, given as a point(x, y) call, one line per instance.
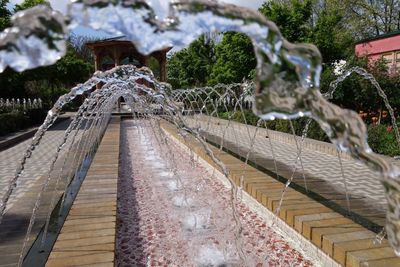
point(172, 212)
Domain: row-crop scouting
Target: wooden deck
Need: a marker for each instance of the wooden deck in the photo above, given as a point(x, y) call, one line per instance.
point(345, 241)
point(88, 235)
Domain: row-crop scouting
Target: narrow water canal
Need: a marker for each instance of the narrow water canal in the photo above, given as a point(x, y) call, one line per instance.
point(174, 212)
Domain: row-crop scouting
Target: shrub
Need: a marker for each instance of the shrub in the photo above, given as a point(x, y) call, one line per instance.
point(381, 141)
point(283, 126)
point(314, 130)
point(238, 116)
point(18, 120)
point(11, 122)
point(36, 116)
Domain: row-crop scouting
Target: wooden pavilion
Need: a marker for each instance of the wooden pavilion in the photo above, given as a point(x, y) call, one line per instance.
point(117, 51)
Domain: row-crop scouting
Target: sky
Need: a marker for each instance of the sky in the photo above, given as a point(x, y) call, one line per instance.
point(61, 4)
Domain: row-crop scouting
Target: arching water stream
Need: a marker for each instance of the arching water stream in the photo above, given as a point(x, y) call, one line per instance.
point(287, 84)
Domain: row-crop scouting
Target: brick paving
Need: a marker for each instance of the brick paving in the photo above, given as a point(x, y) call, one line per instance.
point(19, 209)
point(363, 186)
point(37, 165)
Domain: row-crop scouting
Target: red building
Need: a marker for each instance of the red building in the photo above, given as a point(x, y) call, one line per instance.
point(386, 46)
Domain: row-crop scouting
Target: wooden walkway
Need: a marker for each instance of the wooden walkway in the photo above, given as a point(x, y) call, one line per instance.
point(88, 235)
point(345, 241)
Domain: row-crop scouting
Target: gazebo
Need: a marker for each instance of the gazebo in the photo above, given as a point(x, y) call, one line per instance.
point(117, 51)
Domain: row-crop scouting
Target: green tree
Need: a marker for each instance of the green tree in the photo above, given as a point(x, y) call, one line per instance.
point(331, 36)
point(71, 69)
point(5, 14)
point(30, 3)
point(192, 65)
point(369, 18)
point(235, 59)
point(292, 17)
point(320, 22)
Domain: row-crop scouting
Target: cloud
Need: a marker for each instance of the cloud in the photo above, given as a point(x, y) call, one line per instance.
point(59, 5)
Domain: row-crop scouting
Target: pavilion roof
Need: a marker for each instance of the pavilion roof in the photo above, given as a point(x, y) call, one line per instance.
point(118, 40)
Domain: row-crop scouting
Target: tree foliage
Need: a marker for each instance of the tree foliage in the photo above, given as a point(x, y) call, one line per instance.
point(235, 59)
point(320, 22)
point(46, 82)
point(291, 17)
point(205, 62)
point(30, 3)
point(5, 14)
point(192, 65)
point(372, 17)
point(331, 37)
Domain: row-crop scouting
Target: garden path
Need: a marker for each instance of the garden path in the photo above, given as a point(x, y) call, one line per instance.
point(322, 171)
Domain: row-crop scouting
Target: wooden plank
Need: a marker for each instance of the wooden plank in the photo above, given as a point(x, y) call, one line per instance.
point(391, 262)
point(92, 248)
point(300, 220)
point(340, 249)
point(319, 233)
point(289, 212)
point(308, 226)
point(328, 241)
point(87, 227)
point(91, 220)
point(362, 257)
point(79, 242)
point(105, 264)
point(81, 260)
point(88, 235)
point(289, 198)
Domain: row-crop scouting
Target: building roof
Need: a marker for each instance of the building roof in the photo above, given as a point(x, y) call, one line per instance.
point(117, 38)
point(114, 41)
point(382, 36)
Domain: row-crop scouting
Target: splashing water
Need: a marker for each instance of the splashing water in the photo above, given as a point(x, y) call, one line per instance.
point(287, 75)
point(36, 39)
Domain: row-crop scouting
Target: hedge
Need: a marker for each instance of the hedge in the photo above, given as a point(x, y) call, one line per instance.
point(382, 141)
point(17, 120)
